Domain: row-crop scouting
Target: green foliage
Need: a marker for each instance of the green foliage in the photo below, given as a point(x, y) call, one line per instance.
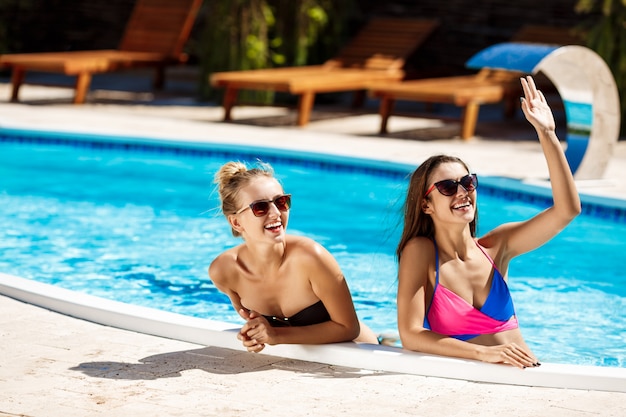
point(606, 34)
point(254, 34)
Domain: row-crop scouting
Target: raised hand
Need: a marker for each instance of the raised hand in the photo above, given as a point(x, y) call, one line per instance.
point(535, 106)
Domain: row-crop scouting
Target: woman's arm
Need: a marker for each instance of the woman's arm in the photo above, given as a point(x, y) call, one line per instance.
point(415, 265)
point(219, 273)
point(525, 236)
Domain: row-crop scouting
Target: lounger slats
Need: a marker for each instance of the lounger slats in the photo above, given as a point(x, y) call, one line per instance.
point(158, 26)
point(470, 92)
point(319, 80)
point(376, 54)
point(456, 90)
point(385, 43)
point(149, 42)
point(78, 62)
point(155, 36)
point(343, 79)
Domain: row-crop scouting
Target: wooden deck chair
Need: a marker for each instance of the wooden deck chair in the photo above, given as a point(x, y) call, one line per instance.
point(154, 37)
point(377, 53)
point(470, 91)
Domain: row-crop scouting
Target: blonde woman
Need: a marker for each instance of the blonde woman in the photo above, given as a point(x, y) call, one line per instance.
point(289, 289)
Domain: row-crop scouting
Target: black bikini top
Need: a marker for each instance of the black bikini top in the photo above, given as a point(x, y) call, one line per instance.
point(313, 314)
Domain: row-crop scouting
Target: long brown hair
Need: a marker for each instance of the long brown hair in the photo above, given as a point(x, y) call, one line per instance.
point(416, 222)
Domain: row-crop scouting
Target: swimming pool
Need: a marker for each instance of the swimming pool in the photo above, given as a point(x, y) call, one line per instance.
point(138, 223)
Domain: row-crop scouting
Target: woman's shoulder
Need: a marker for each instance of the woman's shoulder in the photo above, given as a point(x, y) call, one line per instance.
point(419, 252)
point(302, 243)
point(496, 238)
point(304, 247)
point(223, 263)
point(419, 244)
point(228, 255)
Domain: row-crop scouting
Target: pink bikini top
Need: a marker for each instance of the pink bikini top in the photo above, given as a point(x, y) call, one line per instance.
point(450, 315)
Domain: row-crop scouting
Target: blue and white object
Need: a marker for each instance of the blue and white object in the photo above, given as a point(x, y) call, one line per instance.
point(587, 88)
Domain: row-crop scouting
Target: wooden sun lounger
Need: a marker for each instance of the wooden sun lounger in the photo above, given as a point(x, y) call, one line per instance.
point(377, 53)
point(471, 91)
point(468, 92)
point(154, 37)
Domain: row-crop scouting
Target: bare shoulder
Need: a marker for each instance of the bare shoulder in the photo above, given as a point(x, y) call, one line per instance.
point(419, 247)
point(417, 264)
point(223, 265)
point(311, 255)
point(302, 246)
point(497, 238)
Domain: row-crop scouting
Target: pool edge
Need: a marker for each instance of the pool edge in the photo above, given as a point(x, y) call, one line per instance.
point(363, 356)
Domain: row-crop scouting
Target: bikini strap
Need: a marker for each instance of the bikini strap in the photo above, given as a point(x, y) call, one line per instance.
point(487, 255)
point(436, 262)
point(495, 268)
point(430, 304)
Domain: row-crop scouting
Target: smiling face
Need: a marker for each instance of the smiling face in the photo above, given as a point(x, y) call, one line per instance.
point(269, 227)
point(460, 207)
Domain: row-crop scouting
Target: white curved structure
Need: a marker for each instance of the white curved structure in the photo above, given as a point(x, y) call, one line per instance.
point(364, 356)
point(586, 86)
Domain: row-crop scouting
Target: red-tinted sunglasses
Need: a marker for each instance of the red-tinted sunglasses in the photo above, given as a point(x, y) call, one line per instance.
point(450, 187)
point(262, 207)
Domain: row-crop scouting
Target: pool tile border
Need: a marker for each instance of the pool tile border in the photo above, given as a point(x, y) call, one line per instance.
point(600, 207)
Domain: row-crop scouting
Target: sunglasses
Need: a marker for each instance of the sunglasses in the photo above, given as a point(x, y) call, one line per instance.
point(450, 187)
point(262, 207)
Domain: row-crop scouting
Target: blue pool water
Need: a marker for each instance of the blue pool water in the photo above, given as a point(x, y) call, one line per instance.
point(142, 225)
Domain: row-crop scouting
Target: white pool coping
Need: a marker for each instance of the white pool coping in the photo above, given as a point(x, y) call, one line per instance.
point(364, 356)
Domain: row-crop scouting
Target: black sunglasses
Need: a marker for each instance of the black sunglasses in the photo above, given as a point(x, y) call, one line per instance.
point(450, 187)
point(262, 207)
